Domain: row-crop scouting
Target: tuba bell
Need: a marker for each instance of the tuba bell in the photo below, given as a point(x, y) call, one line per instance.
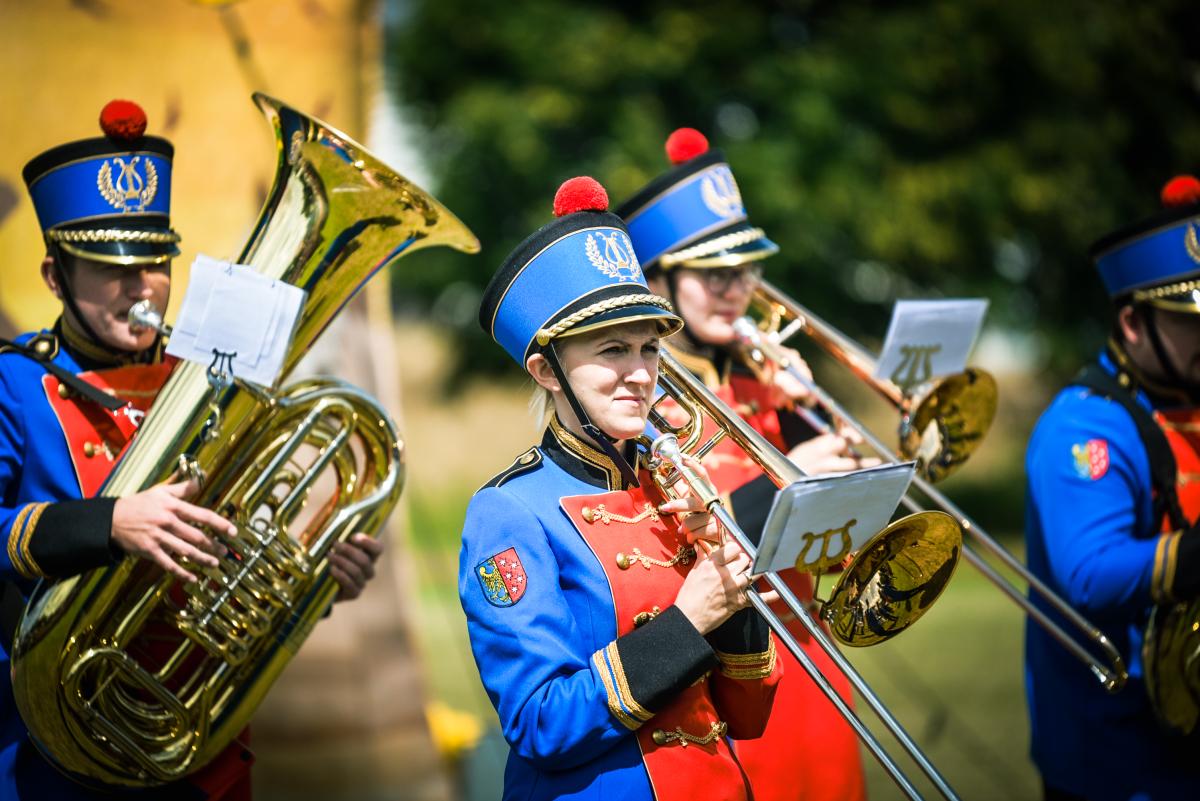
point(126, 677)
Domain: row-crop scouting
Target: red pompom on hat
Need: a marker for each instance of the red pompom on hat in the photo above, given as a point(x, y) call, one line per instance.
point(123, 119)
point(580, 194)
point(1182, 190)
point(685, 144)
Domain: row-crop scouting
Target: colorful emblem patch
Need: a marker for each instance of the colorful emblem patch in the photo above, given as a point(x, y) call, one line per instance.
point(1091, 458)
point(502, 578)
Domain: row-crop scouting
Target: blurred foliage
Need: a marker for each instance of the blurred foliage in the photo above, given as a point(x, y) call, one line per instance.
point(893, 149)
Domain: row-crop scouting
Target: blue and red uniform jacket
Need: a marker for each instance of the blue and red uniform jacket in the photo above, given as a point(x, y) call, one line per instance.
point(603, 688)
point(1093, 538)
point(56, 450)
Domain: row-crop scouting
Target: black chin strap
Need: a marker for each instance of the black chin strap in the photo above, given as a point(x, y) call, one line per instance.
point(1168, 365)
point(589, 428)
point(60, 272)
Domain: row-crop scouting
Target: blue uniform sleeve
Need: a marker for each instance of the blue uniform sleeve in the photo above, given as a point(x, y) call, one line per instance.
point(547, 687)
point(1089, 495)
point(43, 537)
point(12, 445)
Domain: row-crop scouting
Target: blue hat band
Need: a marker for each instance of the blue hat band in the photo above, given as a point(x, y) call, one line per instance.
point(707, 201)
point(1168, 254)
point(570, 268)
point(130, 183)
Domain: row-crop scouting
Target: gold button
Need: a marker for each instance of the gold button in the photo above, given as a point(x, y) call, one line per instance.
point(64, 391)
point(42, 346)
point(660, 737)
point(587, 514)
point(527, 458)
point(624, 561)
point(89, 449)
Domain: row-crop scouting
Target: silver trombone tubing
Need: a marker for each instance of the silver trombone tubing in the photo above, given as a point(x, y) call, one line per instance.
point(1112, 676)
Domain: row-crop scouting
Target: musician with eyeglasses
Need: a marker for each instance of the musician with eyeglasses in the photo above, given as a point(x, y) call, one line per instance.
point(610, 632)
point(72, 397)
point(691, 232)
point(1113, 499)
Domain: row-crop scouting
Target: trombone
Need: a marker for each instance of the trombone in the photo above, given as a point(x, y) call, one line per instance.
point(893, 579)
point(961, 396)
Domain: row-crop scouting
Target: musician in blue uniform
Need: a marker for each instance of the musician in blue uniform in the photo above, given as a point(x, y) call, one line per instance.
point(71, 397)
point(618, 653)
point(697, 245)
point(1113, 497)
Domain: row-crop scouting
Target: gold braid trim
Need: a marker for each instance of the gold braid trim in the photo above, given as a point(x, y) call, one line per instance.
point(14, 540)
point(112, 235)
point(637, 710)
point(619, 302)
point(682, 556)
point(614, 706)
point(602, 514)
point(1153, 293)
point(749, 666)
point(716, 731)
point(27, 538)
point(734, 240)
point(1163, 577)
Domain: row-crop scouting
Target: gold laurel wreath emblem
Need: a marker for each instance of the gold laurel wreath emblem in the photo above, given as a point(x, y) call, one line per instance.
point(1192, 242)
point(721, 195)
point(616, 261)
point(129, 191)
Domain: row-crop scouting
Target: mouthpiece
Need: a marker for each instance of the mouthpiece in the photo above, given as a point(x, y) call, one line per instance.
point(747, 332)
point(143, 315)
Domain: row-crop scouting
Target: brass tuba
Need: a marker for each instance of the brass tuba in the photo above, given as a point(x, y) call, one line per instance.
point(1171, 653)
point(125, 676)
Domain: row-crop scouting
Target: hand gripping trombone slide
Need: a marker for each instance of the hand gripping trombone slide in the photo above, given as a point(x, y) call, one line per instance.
point(932, 536)
point(1112, 676)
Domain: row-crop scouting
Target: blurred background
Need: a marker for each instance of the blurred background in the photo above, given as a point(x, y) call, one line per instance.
point(929, 148)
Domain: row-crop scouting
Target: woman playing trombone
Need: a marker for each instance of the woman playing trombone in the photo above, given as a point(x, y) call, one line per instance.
point(619, 656)
point(690, 231)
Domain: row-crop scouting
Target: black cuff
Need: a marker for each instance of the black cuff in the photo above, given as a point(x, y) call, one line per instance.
point(663, 657)
point(1186, 585)
point(73, 536)
point(744, 633)
point(751, 504)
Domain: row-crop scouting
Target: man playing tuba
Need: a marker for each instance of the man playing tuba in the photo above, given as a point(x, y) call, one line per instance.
point(71, 398)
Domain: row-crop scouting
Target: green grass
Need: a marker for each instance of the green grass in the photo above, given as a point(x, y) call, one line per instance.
point(954, 680)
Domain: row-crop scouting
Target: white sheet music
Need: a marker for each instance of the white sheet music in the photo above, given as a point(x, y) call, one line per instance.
point(232, 313)
point(928, 339)
point(819, 520)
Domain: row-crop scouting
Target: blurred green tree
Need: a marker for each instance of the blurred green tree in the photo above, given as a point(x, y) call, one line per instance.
point(892, 149)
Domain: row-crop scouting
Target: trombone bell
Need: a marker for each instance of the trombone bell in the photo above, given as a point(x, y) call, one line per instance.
point(894, 579)
point(950, 423)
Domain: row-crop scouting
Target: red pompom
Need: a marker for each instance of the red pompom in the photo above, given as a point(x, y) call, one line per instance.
point(123, 119)
point(685, 144)
point(1182, 190)
point(580, 194)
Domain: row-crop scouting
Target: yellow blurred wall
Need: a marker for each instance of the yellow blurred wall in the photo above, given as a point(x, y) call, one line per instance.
point(64, 59)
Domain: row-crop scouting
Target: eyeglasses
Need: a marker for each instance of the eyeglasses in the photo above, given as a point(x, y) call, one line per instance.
point(718, 280)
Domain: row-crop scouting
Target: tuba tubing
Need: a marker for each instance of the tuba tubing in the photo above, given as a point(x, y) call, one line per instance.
point(98, 702)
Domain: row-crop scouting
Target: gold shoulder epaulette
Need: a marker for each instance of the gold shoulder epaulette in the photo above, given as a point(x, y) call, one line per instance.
point(41, 346)
point(527, 461)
